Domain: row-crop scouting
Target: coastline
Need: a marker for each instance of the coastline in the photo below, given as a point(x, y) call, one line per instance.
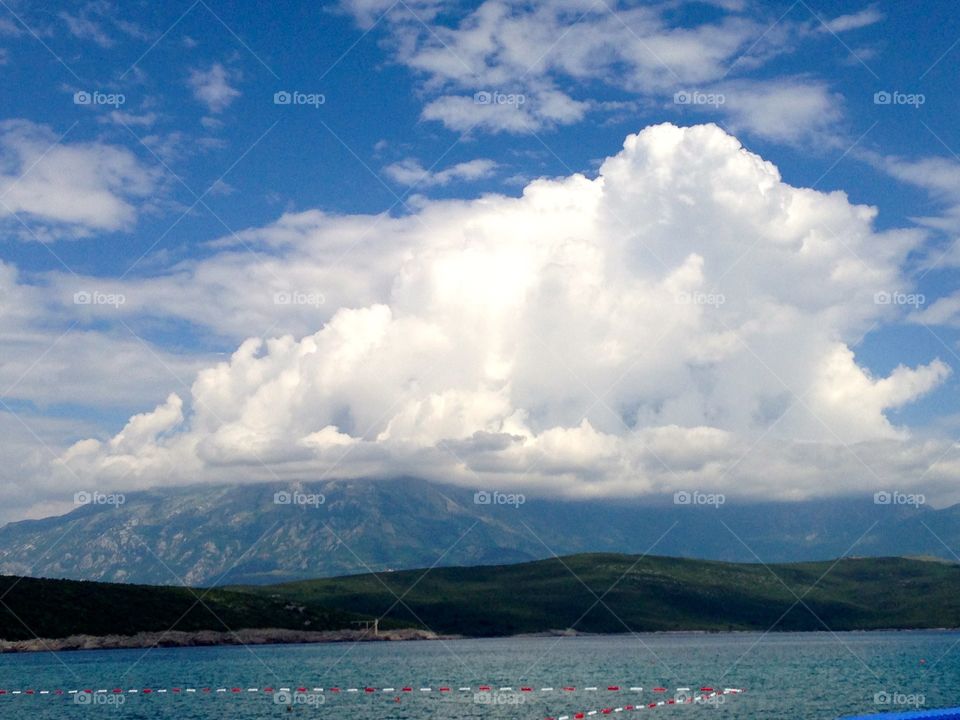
point(207, 638)
point(280, 636)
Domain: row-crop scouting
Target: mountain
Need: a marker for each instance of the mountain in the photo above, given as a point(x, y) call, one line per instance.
point(603, 593)
point(237, 534)
point(608, 593)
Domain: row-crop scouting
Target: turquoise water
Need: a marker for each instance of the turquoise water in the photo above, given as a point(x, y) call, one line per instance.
point(798, 676)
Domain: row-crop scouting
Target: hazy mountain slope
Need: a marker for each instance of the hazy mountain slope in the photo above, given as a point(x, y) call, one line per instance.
point(237, 534)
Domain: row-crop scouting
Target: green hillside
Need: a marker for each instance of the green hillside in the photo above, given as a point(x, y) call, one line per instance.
point(649, 594)
point(637, 594)
point(31, 607)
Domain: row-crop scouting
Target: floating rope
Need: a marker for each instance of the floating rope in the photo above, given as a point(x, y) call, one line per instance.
point(706, 695)
point(302, 689)
point(706, 692)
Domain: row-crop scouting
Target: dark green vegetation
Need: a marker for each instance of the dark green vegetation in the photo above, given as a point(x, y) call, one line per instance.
point(59, 608)
point(609, 593)
point(602, 593)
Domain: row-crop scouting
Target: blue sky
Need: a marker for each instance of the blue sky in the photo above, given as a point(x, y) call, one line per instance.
point(176, 176)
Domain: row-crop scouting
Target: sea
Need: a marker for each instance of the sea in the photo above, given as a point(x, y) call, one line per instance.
point(800, 676)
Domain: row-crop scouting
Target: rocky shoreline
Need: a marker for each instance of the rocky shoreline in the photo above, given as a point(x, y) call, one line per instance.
point(176, 638)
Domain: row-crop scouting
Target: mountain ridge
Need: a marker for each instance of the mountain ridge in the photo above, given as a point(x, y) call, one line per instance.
point(237, 534)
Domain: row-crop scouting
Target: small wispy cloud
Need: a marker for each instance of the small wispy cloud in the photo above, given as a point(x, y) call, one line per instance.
point(212, 87)
point(86, 29)
point(853, 21)
point(410, 172)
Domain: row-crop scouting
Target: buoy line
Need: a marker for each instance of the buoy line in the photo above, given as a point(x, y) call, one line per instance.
point(410, 690)
point(706, 696)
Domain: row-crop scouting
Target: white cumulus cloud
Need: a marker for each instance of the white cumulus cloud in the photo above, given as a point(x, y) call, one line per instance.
point(57, 186)
point(684, 319)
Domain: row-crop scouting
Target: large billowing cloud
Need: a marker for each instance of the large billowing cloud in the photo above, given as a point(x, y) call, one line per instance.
point(683, 320)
